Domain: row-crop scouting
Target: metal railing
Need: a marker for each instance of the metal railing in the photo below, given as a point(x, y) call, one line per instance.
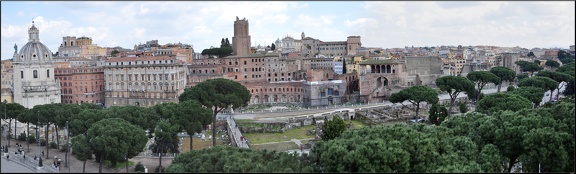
point(157, 155)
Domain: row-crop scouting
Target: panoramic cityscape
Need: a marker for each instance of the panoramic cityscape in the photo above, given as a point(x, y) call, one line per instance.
point(345, 86)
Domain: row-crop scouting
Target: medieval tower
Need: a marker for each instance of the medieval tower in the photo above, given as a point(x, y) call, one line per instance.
point(241, 39)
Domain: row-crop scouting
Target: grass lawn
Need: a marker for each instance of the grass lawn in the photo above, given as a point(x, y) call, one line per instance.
point(198, 143)
point(296, 133)
point(281, 146)
point(357, 124)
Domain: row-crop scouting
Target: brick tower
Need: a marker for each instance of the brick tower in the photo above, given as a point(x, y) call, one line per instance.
point(241, 39)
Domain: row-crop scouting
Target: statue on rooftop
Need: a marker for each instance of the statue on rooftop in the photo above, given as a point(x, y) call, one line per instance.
point(15, 48)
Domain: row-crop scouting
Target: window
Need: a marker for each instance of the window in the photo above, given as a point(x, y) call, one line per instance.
point(21, 74)
point(35, 73)
point(48, 73)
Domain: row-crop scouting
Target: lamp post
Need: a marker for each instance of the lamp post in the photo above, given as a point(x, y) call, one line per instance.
point(68, 147)
point(6, 121)
point(38, 138)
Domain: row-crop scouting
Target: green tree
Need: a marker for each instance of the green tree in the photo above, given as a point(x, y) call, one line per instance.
point(114, 52)
point(504, 73)
point(537, 62)
point(521, 76)
point(217, 95)
point(545, 83)
point(567, 68)
point(530, 67)
point(501, 102)
point(531, 54)
point(510, 88)
point(333, 128)
point(481, 78)
point(531, 93)
point(115, 139)
point(13, 111)
point(552, 64)
point(544, 150)
point(558, 77)
point(565, 57)
point(82, 150)
point(273, 47)
point(415, 95)
point(191, 117)
point(165, 136)
point(570, 88)
point(238, 160)
point(344, 69)
point(463, 108)
point(454, 85)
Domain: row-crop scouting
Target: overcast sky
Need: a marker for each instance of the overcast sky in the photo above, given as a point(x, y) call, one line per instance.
point(380, 24)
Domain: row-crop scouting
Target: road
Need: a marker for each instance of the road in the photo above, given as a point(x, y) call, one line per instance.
point(330, 109)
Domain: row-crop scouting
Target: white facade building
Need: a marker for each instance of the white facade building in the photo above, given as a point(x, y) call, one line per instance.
point(34, 82)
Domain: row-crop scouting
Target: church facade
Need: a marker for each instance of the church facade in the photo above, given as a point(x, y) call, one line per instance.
point(33, 73)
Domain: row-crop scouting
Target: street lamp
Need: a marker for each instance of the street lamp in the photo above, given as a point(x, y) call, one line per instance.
point(38, 138)
point(6, 121)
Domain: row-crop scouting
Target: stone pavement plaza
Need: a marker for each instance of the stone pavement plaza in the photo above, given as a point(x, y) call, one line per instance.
point(91, 166)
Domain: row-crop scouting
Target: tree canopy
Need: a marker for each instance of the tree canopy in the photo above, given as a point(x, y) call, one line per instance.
point(502, 102)
point(504, 73)
point(565, 57)
point(415, 95)
point(530, 67)
point(237, 160)
point(454, 85)
point(531, 93)
point(115, 139)
point(217, 94)
point(333, 128)
point(545, 83)
point(552, 64)
point(481, 78)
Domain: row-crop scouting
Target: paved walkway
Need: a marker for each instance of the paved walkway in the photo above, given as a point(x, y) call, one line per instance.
point(77, 165)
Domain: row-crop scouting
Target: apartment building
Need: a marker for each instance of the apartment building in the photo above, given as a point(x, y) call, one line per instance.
point(143, 80)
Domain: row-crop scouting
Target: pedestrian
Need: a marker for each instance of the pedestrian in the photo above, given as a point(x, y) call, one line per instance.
point(35, 157)
point(42, 152)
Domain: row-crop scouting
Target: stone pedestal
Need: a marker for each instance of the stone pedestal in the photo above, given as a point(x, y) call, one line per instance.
point(5, 154)
point(39, 168)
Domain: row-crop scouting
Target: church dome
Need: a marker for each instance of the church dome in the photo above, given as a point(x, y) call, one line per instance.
point(34, 51)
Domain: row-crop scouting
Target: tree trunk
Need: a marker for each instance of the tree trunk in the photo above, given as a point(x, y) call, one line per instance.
point(558, 93)
point(478, 96)
point(28, 131)
point(551, 94)
point(191, 136)
point(499, 86)
point(84, 167)
point(214, 126)
point(57, 138)
point(8, 136)
point(101, 161)
point(15, 132)
point(126, 163)
point(510, 165)
point(417, 108)
point(47, 143)
point(450, 107)
point(160, 166)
